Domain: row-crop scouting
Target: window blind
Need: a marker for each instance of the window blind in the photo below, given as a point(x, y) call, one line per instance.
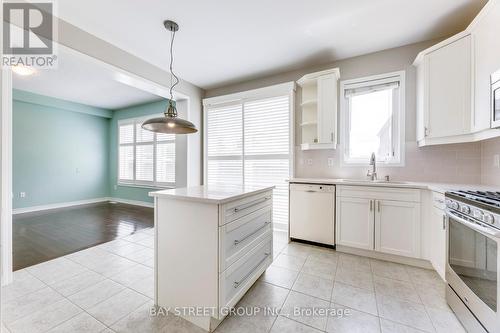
point(248, 142)
point(144, 157)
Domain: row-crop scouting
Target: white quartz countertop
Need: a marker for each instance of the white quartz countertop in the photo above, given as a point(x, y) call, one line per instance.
point(436, 187)
point(216, 194)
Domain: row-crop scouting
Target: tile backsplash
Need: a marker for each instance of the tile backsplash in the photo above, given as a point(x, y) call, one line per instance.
point(457, 163)
point(490, 162)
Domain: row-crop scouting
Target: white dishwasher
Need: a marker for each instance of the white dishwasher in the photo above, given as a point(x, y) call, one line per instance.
point(312, 213)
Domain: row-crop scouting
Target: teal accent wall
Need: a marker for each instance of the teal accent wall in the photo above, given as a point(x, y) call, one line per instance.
point(60, 151)
point(65, 151)
point(128, 192)
point(28, 97)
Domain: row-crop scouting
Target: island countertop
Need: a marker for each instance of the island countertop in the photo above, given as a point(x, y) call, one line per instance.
point(215, 194)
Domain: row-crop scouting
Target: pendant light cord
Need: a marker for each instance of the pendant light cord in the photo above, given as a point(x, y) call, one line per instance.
point(171, 69)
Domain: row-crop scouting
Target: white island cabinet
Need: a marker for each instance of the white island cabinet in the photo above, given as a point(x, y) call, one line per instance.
point(211, 244)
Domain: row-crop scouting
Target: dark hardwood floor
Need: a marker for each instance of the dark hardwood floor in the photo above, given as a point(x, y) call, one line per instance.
point(45, 235)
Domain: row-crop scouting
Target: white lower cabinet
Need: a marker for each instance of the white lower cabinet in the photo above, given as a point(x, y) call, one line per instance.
point(438, 240)
point(377, 219)
point(434, 231)
point(397, 226)
point(355, 222)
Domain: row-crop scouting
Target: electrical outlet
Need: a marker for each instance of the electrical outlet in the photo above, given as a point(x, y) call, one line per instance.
point(496, 161)
point(22, 194)
point(309, 161)
point(330, 161)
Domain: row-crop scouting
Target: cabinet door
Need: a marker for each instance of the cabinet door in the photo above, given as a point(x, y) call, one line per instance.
point(449, 87)
point(438, 240)
point(421, 102)
point(487, 61)
point(397, 228)
point(327, 108)
point(355, 222)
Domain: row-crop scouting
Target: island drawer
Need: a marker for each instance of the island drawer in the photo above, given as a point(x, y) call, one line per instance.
point(236, 209)
point(240, 276)
point(238, 237)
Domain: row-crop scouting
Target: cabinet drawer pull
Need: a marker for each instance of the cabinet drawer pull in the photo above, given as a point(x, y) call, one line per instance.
point(444, 222)
point(371, 205)
point(378, 206)
point(236, 284)
point(250, 204)
point(238, 241)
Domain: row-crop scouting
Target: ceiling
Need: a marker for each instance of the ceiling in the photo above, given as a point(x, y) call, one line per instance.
point(80, 79)
point(225, 41)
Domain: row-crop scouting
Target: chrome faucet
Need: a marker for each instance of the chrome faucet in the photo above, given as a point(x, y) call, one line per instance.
point(373, 173)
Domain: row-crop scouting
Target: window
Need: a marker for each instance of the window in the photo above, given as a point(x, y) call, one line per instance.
point(145, 158)
point(372, 112)
point(248, 141)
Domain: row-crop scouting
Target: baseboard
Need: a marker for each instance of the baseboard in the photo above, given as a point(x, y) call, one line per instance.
point(422, 263)
point(58, 205)
point(79, 203)
point(133, 202)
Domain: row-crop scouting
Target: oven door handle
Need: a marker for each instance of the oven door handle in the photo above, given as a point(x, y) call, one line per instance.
point(474, 226)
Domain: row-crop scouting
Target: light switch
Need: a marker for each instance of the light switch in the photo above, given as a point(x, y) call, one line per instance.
point(309, 161)
point(22, 194)
point(330, 161)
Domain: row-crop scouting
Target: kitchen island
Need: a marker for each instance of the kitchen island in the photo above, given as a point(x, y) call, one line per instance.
point(211, 244)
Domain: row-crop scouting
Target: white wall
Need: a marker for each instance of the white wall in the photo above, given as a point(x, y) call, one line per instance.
point(450, 163)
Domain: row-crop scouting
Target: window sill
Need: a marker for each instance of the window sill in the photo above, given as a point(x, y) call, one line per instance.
point(146, 186)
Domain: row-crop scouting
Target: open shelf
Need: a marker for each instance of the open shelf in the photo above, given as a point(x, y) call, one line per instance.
point(310, 102)
point(309, 123)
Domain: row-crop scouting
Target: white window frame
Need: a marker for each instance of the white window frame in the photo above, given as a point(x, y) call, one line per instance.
point(282, 89)
point(134, 182)
point(398, 120)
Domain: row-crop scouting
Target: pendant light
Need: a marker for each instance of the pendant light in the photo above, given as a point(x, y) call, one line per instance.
point(170, 123)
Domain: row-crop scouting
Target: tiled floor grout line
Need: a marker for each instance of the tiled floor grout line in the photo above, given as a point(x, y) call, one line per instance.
point(288, 295)
point(375, 295)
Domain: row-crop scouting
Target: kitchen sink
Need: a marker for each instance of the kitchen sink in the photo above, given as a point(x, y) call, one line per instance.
point(369, 181)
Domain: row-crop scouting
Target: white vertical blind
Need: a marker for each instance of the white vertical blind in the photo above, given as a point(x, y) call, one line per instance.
point(225, 144)
point(249, 142)
point(144, 157)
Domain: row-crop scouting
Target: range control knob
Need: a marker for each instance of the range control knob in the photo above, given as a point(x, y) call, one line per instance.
point(465, 209)
point(454, 205)
point(478, 214)
point(488, 218)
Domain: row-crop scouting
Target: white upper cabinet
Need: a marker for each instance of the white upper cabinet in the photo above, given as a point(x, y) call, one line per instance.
point(453, 83)
point(318, 109)
point(449, 88)
point(486, 43)
point(444, 89)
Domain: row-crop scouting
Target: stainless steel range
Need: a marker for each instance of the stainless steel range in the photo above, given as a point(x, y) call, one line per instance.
point(472, 273)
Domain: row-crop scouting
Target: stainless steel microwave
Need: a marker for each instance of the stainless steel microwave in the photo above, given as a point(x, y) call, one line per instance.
point(495, 99)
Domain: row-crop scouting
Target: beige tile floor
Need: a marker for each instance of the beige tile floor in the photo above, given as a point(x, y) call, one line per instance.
point(109, 288)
